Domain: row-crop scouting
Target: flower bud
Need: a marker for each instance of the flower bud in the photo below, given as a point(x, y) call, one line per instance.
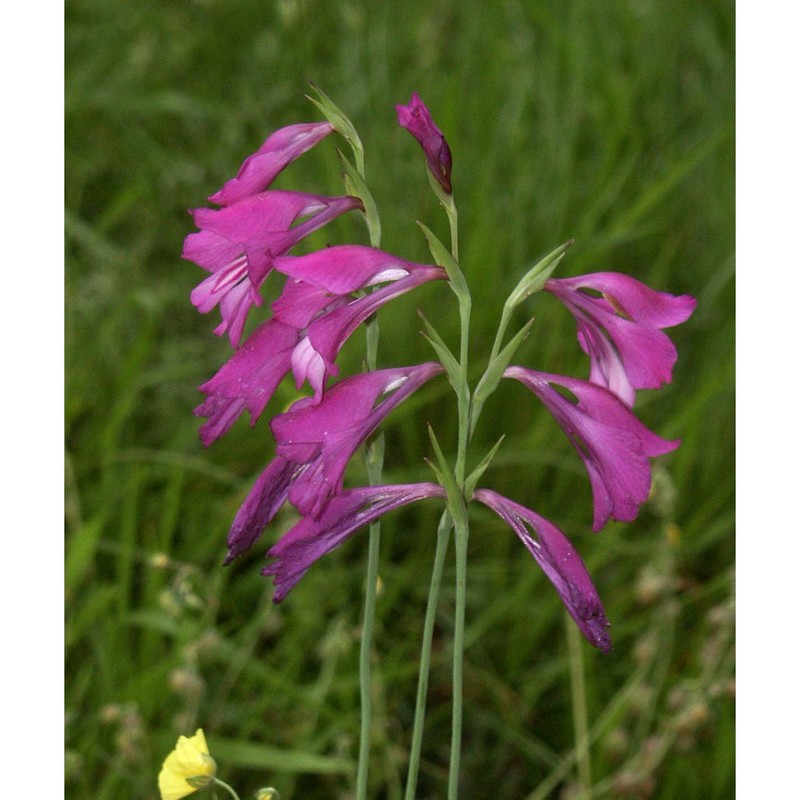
point(417, 120)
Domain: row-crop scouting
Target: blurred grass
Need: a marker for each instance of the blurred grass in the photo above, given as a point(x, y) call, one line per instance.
point(607, 122)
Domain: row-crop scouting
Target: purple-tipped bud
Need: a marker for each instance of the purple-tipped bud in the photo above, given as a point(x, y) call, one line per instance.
point(417, 120)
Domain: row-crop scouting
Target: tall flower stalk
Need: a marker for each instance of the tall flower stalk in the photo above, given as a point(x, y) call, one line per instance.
point(330, 293)
point(355, 177)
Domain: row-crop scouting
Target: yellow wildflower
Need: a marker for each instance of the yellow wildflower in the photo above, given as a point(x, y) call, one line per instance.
point(187, 768)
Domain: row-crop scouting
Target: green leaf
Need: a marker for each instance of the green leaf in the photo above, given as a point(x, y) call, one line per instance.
point(446, 357)
point(477, 473)
point(337, 118)
point(262, 757)
point(535, 278)
point(494, 372)
point(441, 255)
point(356, 187)
point(455, 498)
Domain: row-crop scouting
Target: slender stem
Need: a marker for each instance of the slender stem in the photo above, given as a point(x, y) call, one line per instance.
point(375, 472)
point(229, 789)
point(579, 715)
point(442, 540)
point(365, 671)
point(452, 215)
point(460, 519)
point(501, 332)
point(461, 536)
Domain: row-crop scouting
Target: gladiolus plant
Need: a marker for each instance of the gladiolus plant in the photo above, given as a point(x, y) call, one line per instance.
point(326, 295)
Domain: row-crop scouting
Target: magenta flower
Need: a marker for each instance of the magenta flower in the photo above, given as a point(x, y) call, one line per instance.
point(620, 330)
point(248, 380)
point(614, 445)
point(237, 245)
point(417, 120)
point(262, 167)
point(559, 561)
point(321, 438)
point(310, 539)
point(315, 444)
point(310, 324)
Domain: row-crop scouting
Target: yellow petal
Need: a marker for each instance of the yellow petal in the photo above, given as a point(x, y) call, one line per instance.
point(189, 759)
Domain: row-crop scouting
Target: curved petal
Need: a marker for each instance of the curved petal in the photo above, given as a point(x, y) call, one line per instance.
point(327, 334)
point(248, 380)
point(559, 561)
point(262, 167)
point(320, 438)
point(620, 329)
point(342, 269)
point(261, 505)
point(614, 445)
point(309, 540)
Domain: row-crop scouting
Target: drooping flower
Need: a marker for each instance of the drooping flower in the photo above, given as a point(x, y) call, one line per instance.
point(620, 329)
point(262, 167)
point(310, 539)
point(187, 768)
point(417, 120)
point(237, 245)
point(310, 324)
point(614, 445)
point(560, 563)
point(315, 444)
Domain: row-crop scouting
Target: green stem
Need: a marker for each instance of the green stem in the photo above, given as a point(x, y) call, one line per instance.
point(442, 540)
point(452, 216)
point(461, 536)
point(579, 714)
point(229, 789)
point(365, 672)
point(375, 472)
point(460, 519)
point(501, 332)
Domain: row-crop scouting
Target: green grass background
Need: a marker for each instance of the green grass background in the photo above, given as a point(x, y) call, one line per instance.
point(607, 122)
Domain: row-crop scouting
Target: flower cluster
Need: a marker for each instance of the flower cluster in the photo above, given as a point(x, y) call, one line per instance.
point(324, 300)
